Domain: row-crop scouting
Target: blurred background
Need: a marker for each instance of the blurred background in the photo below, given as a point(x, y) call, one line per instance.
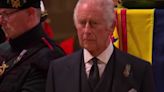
point(60, 17)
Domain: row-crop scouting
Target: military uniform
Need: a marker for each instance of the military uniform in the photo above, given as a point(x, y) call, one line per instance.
point(2, 36)
point(27, 59)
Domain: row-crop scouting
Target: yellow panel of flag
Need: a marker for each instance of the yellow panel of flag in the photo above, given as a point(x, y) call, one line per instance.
point(139, 28)
point(140, 33)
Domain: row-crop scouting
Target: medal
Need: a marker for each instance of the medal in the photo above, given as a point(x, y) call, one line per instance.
point(3, 67)
point(126, 71)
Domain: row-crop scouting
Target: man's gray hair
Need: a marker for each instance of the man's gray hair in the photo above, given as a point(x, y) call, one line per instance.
point(107, 6)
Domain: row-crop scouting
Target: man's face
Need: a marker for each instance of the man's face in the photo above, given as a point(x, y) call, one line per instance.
point(92, 28)
point(12, 21)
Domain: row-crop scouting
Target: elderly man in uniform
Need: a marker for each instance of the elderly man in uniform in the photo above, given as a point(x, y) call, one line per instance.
point(99, 66)
point(25, 57)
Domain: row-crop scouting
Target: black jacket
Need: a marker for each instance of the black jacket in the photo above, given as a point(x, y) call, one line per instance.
point(27, 74)
point(67, 74)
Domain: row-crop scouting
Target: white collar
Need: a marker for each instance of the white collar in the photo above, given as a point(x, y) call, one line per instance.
point(103, 57)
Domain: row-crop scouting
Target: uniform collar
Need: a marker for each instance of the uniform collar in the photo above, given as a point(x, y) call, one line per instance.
point(28, 39)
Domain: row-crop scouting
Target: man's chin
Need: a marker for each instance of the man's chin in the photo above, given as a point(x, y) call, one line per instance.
point(89, 47)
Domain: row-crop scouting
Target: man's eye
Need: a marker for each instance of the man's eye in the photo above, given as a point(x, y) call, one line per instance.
point(82, 22)
point(93, 23)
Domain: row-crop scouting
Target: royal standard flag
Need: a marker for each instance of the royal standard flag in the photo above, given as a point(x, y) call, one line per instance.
point(140, 32)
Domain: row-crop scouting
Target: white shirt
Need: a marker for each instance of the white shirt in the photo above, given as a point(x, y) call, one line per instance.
point(103, 59)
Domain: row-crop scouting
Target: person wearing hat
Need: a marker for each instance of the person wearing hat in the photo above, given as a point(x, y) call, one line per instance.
point(25, 56)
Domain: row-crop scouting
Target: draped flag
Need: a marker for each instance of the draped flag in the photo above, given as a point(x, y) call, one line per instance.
point(140, 25)
point(144, 31)
point(140, 33)
point(115, 38)
point(158, 49)
point(135, 30)
point(117, 34)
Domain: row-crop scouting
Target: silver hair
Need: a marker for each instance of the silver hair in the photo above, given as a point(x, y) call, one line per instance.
point(107, 6)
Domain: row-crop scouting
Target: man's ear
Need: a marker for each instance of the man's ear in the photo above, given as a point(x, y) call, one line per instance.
point(31, 11)
point(32, 16)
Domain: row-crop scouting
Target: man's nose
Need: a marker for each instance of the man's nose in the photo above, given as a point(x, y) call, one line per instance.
point(87, 27)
